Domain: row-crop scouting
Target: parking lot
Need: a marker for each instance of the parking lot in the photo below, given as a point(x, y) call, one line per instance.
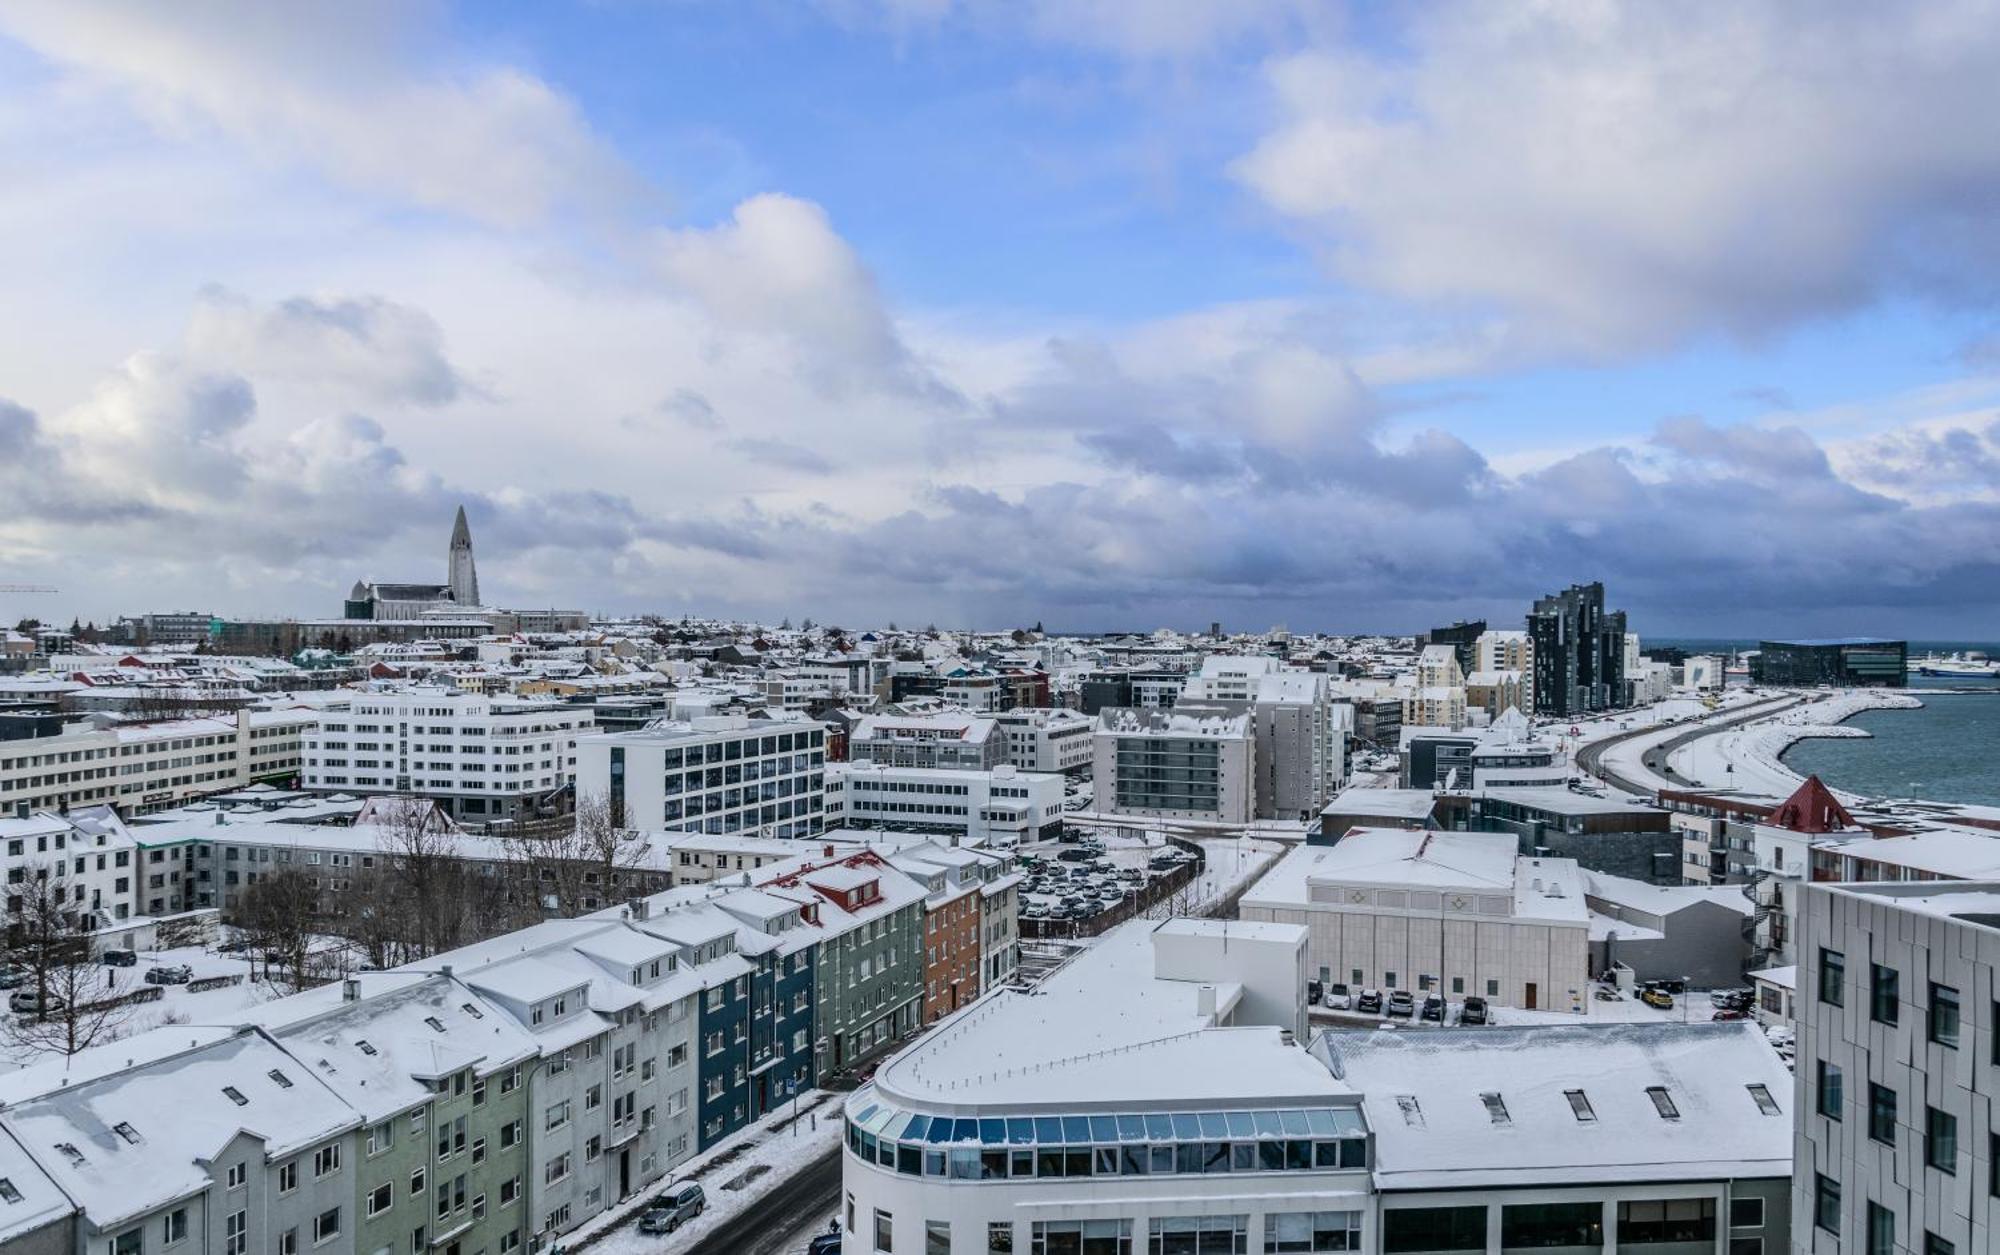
point(1081, 879)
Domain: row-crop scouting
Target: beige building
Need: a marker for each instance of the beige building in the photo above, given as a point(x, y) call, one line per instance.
point(1496, 692)
point(1456, 913)
point(1434, 707)
point(1508, 651)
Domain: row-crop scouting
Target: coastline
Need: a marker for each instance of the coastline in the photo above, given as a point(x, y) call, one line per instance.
point(1757, 750)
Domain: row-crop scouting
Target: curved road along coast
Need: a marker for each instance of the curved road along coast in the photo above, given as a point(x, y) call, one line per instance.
point(1589, 759)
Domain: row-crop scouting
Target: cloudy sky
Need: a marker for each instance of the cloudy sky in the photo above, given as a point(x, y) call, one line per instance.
point(994, 311)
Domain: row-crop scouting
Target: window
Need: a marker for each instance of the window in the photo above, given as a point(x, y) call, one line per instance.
point(326, 1225)
point(1941, 1140)
point(380, 1198)
point(1496, 1108)
point(234, 1179)
point(326, 1160)
point(1944, 1016)
point(1761, 1095)
point(288, 1176)
point(288, 1242)
point(885, 1230)
point(236, 1233)
point(1075, 1237)
point(1832, 978)
point(1579, 1103)
point(1829, 1090)
point(1666, 1220)
point(1935, 1245)
point(1881, 1230)
point(1000, 1238)
point(1199, 1235)
point(1309, 1232)
point(937, 1237)
point(1552, 1224)
point(1826, 1203)
point(1746, 1213)
point(1884, 991)
point(174, 1226)
point(1663, 1102)
point(1882, 1113)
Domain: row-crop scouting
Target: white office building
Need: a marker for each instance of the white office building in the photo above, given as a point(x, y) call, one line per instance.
point(480, 758)
point(1454, 913)
point(714, 774)
point(1898, 1145)
point(1152, 1096)
point(147, 766)
point(1000, 807)
point(953, 739)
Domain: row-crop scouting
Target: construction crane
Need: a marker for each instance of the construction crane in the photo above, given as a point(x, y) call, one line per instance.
point(28, 588)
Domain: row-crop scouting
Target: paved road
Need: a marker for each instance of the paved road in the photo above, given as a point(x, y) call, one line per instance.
point(1590, 757)
point(783, 1221)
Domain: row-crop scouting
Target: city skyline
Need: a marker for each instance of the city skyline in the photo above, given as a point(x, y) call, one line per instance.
point(976, 313)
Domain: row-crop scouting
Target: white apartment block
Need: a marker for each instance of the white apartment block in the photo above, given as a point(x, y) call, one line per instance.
point(480, 758)
point(1437, 667)
point(1166, 765)
point(1503, 650)
point(1453, 913)
point(1001, 807)
point(1897, 1143)
point(947, 739)
point(1301, 732)
point(1046, 739)
point(142, 767)
point(92, 863)
point(714, 774)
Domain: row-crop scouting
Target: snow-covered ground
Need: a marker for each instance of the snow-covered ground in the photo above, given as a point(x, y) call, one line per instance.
point(1748, 757)
point(769, 1158)
point(178, 1004)
point(1231, 864)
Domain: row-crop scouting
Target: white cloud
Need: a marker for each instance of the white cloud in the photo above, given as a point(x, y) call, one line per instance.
point(1622, 176)
point(339, 88)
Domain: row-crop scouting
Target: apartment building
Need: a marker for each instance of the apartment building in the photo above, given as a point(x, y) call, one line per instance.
point(1169, 765)
point(146, 766)
point(480, 758)
point(949, 739)
point(1300, 730)
point(89, 856)
point(1045, 740)
point(1897, 1146)
point(714, 774)
point(1001, 807)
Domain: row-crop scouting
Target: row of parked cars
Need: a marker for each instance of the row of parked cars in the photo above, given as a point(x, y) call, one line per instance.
point(1079, 881)
point(1398, 1004)
point(25, 1001)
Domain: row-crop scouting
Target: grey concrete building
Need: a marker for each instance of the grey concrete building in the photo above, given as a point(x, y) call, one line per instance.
point(1169, 765)
point(1669, 932)
point(1896, 1147)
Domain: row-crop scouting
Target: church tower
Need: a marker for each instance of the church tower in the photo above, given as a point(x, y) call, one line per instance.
point(464, 576)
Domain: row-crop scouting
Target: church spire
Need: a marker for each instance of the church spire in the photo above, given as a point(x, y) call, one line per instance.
point(463, 575)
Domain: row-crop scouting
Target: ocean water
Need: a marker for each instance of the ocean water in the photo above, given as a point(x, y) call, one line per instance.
point(1947, 752)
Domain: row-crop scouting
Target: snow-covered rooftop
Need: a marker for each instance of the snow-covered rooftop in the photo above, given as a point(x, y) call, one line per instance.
point(1569, 1104)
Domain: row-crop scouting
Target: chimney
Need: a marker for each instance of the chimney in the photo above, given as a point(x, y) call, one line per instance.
point(639, 907)
point(444, 970)
point(829, 849)
point(350, 990)
point(1204, 1000)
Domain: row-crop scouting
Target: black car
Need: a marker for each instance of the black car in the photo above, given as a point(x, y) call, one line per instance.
point(1370, 1002)
point(1474, 1012)
point(120, 958)
point(1312, 993)
point(824, 1244)
point(1434, 1008)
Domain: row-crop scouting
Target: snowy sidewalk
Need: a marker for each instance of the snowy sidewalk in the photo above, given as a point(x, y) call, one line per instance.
point(734, 1175)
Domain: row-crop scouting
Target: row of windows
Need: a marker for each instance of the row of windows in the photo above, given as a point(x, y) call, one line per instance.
point(1881, 1223)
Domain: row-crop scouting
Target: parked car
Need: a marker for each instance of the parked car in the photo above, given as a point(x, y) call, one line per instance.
point(14, 977)
point(1337, 998)
point(1434, 1009)
point(673, 1209)
point(1072, 855)
point(1401, 1004)
point(120, 958)
point(825, 1244)
point(1474, 1012)
point(1654, 996)
point(1370, 1002)
point(1731, 1013)
point(1313, 991)
point(28, 1002)
point(169, 974)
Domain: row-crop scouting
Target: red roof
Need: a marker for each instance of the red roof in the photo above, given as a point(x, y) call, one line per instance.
point(1812, 809)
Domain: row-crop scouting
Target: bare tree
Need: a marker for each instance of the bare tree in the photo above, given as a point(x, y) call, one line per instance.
point(48, 939)
point(277, 915)
point(423, 851)
point(582, 866)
